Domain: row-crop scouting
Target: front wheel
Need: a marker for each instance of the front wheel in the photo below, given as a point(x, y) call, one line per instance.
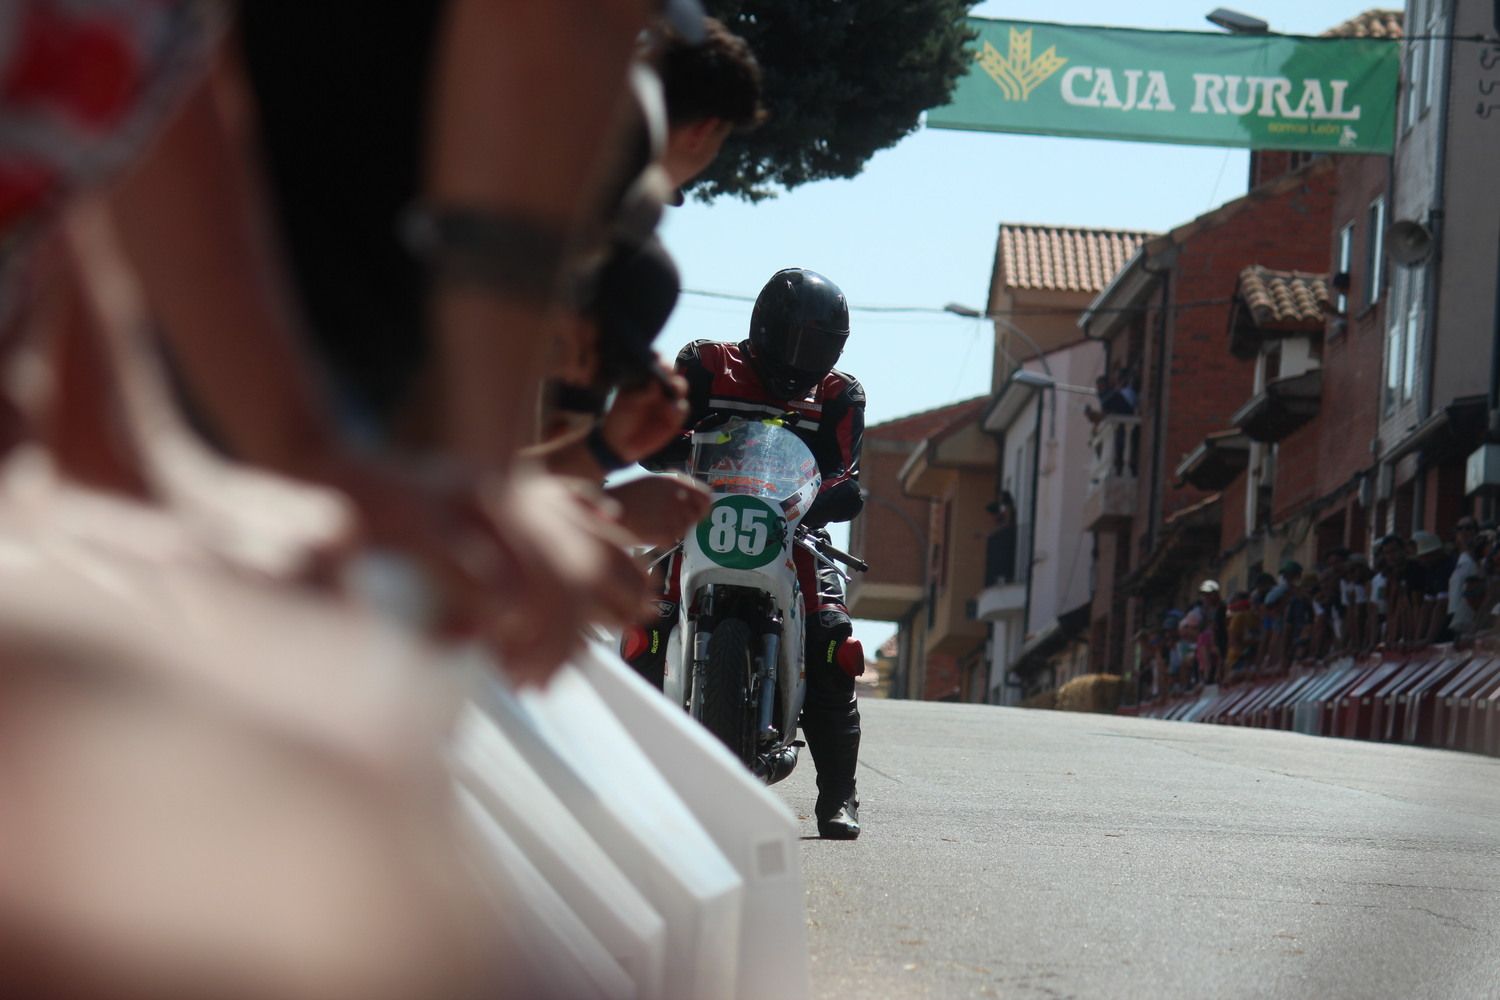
point(725, 706)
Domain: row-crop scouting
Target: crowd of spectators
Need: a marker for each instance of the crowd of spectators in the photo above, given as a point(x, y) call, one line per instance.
point(1408, 593)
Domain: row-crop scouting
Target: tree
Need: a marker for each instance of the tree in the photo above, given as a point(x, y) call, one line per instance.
point(843, 80)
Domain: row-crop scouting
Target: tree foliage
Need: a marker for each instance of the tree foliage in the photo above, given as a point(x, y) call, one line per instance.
point(843, 80)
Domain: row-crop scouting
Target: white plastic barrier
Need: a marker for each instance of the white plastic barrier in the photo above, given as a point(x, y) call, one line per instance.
point(566, 961)
point(750, 824)
point(488, 767)
point(578, 748)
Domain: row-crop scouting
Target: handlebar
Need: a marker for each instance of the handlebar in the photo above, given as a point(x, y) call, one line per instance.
point(838, 555)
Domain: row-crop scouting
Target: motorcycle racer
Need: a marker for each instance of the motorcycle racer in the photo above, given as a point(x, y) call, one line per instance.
point(785, 369)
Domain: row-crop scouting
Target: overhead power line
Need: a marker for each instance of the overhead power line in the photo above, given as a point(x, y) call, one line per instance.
point(1024, 311)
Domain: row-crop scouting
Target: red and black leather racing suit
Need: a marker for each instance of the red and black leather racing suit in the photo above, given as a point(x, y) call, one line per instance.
point(722, 380)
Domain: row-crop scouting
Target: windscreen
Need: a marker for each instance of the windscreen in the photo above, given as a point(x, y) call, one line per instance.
point(753, 458)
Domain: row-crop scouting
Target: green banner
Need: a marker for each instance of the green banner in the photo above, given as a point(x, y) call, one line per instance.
point(1331, 95)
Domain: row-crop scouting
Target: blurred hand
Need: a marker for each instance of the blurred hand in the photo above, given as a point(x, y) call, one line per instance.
point(644, 420)
point(526, 561)
point(568, 566)
point(659, 510)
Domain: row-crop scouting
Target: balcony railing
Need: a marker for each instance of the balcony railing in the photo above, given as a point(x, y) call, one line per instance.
point(1115, 447)
point(1007, 562)
point(1003, 558)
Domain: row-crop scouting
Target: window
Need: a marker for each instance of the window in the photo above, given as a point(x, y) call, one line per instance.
point(1413, 332)
point(1433, 47)
point(1395, 351)
point(1300, 157)
point(1415, 84)
point(1375, 252)
point(1346, 254)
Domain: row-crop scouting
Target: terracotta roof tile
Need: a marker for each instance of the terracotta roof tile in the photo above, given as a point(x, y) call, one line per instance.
point(1371, 24)
point(1064, 258)
point(1284, 299)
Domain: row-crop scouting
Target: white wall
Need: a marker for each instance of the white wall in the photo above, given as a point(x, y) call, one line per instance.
point(1063, 553)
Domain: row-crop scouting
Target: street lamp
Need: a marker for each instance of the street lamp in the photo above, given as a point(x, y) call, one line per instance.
point(969, 312)
point(1036, 380)
point(1236, 23)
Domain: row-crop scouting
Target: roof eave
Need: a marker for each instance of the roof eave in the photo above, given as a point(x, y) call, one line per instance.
point(1125, 292)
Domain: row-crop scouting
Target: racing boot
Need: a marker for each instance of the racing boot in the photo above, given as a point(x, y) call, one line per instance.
point(830, 721)
point(644, 647)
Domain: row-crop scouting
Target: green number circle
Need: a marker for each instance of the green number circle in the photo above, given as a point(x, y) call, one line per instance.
point(741, 533)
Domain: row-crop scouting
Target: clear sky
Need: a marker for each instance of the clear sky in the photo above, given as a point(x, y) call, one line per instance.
point(917, 228)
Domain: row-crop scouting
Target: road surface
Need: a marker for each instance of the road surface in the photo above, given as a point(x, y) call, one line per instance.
point(1011, 853)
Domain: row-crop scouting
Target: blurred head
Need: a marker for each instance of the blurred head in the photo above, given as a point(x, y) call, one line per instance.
point(712, 88)
point(1427, 546)
point(1328, 585)
point(1390, 552)
point(628, 303)
point(1482, 543)
point(797, 331)
point(1208, 591)
point(1291, 570)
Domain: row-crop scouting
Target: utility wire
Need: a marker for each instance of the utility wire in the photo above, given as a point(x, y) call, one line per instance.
point(1023, 311)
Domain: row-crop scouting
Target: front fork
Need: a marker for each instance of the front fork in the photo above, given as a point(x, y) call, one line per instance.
point(701, 638)
point(770, 649)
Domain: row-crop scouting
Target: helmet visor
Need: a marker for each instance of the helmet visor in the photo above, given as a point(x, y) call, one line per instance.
point(809, 349)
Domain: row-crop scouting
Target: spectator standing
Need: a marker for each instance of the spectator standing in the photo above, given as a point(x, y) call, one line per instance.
point(1392, 573)
point(1240, 651)
point(1215, 616)
point(1189, 631)
point(1466, 540)
point(1298, 608)
point(1208, 656)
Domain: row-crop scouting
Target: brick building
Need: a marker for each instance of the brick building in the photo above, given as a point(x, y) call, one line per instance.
point(1163, 321)
point(892, 534)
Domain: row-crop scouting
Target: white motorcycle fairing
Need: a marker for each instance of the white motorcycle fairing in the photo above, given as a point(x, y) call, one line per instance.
point(763, 479)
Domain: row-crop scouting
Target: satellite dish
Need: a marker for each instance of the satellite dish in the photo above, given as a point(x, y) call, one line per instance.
point(1411, 242)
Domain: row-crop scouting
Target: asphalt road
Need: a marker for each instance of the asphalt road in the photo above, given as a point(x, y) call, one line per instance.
point(1011, 853)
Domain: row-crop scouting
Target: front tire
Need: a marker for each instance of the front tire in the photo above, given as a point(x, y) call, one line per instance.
point(725, 705)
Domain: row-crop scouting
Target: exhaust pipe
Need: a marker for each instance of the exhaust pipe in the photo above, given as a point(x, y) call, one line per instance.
point(778, 764)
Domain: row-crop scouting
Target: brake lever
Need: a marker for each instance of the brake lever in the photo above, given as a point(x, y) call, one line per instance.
point(802, 540)
point(825, 548)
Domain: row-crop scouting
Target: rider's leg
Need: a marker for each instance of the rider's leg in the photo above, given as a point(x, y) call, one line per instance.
point(644, 646)
point(830, 713)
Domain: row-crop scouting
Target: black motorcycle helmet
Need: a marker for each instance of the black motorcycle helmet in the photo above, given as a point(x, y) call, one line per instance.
point(797, 331)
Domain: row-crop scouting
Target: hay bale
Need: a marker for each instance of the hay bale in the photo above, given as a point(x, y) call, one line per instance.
point(1047, 699)
point(1090, 693)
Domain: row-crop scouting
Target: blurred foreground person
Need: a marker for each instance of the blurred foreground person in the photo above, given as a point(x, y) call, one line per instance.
point(216, 782)
point(614, 402)
point(523, 559)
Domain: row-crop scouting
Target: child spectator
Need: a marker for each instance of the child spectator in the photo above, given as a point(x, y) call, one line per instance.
point(1207, 656)
point(1242, 634)
point(1189, 631)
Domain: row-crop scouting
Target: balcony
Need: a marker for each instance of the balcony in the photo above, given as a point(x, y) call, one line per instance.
point(1217, 462)
point(1114, 470)
point(1007, 562)
point(1284, 405)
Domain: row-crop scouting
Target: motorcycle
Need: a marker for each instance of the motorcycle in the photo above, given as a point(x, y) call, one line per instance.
point(735, 661)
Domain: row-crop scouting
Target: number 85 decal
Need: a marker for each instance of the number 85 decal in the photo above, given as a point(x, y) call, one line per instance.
point(741, 532)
